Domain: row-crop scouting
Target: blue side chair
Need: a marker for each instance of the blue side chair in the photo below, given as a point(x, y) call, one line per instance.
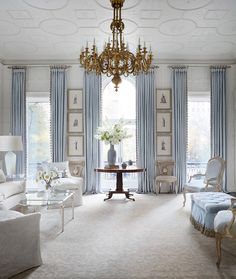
point(212, 181)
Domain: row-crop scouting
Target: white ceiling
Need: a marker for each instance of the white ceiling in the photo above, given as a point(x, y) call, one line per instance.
point(176, 29)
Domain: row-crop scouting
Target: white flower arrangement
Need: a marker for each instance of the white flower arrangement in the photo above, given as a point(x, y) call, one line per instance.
point(47, 177)
point(112, 134)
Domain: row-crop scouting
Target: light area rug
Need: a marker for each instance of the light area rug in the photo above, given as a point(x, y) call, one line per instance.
point(121, 239)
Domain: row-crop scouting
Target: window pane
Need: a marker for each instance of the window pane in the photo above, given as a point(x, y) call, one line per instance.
point(117, 105)
point(38, 135)
point(199, 138)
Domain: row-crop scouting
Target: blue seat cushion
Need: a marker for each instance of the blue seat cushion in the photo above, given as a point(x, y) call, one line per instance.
point(204, 207)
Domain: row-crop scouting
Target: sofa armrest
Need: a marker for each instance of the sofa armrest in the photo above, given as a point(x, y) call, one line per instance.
point(195, 176)
point(20, 244)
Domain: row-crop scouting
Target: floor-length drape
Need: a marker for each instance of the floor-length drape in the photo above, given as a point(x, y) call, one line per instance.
point(179, 89)
point(18, 114)
point(58, 103)
point(218, 112)
point(145, 114)
point(92, 95)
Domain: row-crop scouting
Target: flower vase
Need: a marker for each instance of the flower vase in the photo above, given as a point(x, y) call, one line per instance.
point(48, 186)
point(111, 156)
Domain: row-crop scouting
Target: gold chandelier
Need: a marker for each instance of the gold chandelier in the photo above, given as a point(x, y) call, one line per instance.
point(116, 59)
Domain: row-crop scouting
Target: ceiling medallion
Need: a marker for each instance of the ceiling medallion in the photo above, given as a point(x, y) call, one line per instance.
point(116, 59)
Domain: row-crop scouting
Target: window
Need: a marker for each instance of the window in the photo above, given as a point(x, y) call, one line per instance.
point(116, 105)
point(199, 137)
point(38, 131)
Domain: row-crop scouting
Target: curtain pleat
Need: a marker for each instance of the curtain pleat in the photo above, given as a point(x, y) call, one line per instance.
point(179, 89)
point(218, 113)
point(18, 115)
point(92, 95)
point(145, 113)
point(58, 103)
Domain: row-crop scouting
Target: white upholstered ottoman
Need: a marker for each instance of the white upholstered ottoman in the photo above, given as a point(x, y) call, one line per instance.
point(204, 207)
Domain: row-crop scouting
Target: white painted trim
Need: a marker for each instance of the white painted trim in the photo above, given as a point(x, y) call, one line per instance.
point(189, 62)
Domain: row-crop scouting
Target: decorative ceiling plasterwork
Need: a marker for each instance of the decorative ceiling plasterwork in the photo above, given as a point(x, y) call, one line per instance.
point(176, 29)
point(188, 4)
point(47, 4)
point(59, 27)
point(129, 4)
point(8, 28)
point(227, 28)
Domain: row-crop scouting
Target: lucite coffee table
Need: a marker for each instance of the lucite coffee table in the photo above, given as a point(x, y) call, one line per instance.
point(45, 198)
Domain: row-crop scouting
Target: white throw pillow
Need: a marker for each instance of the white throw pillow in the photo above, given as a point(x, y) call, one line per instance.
point(59, 167)
point(2, 176)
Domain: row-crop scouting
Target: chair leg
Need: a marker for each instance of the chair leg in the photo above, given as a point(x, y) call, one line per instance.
point(184, 193)
point(218, 249)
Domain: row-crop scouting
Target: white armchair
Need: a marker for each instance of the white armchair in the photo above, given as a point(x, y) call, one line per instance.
point(212, 178)
point(225, 226)
point(71, 178)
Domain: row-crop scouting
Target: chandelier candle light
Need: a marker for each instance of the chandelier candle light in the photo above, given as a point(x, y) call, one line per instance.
point(116, 59)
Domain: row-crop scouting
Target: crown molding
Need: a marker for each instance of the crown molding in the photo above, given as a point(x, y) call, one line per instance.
point(187, 62)
point(198, 62)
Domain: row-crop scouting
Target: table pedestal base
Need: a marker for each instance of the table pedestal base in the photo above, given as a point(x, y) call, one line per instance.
point(127, 194)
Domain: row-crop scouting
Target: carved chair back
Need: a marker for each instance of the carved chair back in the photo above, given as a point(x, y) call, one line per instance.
point(165, 167)
point(214, 171)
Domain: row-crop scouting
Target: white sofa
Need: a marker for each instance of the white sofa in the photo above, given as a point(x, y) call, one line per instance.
point(11, 192)
point(68, 181)
point(19, 242)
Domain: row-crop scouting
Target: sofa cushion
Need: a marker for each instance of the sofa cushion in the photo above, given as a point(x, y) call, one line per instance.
point(9, 214)
point(222, 219)
point(11, 188)
point(70, 183)
point(2, 176)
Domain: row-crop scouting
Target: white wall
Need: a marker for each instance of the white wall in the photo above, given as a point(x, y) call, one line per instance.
point(38, 80)
point(231, 129)
point(1, 98)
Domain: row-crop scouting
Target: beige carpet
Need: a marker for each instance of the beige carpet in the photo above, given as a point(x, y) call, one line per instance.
point(149, 238)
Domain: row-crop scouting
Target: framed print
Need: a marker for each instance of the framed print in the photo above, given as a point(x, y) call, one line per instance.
point(75, 146)
point(75, 99)
point(163, 99)
point(164, 145)
point(75, 122)
point(164, 121)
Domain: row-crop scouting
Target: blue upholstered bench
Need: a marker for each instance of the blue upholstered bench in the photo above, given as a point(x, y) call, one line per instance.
point(204, 207)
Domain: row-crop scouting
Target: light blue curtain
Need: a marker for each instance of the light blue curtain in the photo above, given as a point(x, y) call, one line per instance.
point(179, 89)
point(58, 103)
point(145, 114)
point(18, 114)
point(92, 95)
point(218, 113)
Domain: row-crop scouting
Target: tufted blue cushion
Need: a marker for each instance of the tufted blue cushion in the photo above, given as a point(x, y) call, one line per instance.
point(212, 201)
point(205, 206)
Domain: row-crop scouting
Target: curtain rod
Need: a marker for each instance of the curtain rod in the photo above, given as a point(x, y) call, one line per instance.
point(39, 66)
point(198, 66)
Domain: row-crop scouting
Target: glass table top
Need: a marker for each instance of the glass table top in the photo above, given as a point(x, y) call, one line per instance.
point(45, 197)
